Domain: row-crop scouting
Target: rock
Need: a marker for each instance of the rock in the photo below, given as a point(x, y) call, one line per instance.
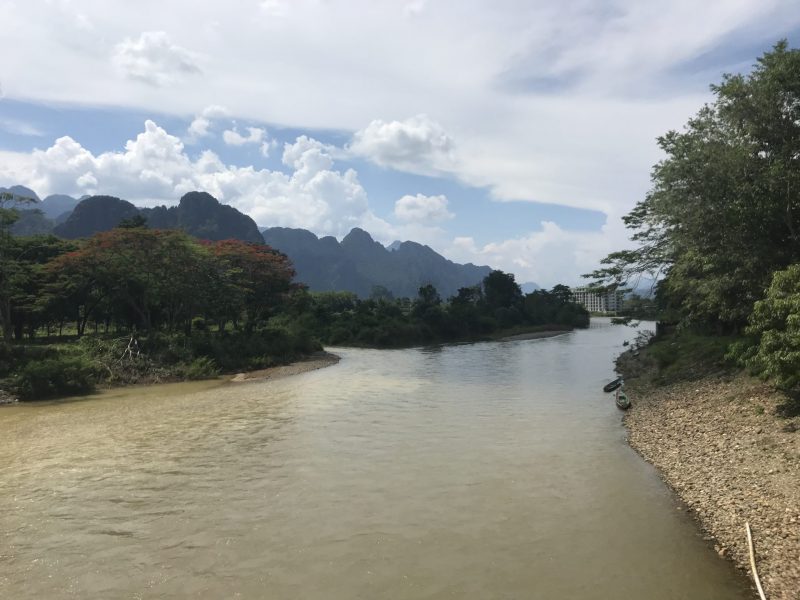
point(730, 466)
point(7, 397)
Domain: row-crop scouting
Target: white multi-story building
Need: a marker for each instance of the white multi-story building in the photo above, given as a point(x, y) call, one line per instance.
point(598, 302)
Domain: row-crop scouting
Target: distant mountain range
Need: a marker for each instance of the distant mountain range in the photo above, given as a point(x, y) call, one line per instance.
point(357, 264)
point(54, 209)
point(529, 286)
point(199, 214)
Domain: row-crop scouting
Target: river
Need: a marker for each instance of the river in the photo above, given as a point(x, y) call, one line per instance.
point(476, 471)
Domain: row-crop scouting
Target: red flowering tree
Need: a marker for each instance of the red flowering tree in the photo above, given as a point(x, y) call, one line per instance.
point(256, 278)
point(158, 276)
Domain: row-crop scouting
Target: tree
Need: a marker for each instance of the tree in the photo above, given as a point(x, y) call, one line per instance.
point(261, 275)
point(776, 324)
point(723, 211)
point(501, 291)
point(381, 292)
point(9, 264)
point(29, 306)
point(561, 293)
point(154, 274)
point(428, 296)
point(135, 222)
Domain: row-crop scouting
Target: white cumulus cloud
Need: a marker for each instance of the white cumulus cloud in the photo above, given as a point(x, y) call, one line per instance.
point(255, 135)
point(557, 102)
point(201, 124)
point(422, 209)
point(155, 168)
point(418, 145)
point(154, 59)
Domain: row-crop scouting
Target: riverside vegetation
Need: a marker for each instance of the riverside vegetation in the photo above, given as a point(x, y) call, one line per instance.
point(720, 229)
point(135, 304)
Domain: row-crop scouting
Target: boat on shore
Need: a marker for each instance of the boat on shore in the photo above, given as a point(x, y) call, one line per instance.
point(612, 385)
point(621, 400)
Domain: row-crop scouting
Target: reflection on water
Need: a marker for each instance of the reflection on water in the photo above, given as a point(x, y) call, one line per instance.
point(494, 470)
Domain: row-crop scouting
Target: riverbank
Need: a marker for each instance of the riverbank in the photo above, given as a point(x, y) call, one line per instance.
point(534, 335)
point(7, 397)
point(529, 332)
point(318, 360)
point(717, 442)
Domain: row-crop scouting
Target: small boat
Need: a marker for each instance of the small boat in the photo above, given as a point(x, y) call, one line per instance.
point(610, 387)
point(622, 401)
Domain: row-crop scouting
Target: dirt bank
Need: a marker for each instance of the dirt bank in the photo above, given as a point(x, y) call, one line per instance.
point(318, 360)
point(719, 445)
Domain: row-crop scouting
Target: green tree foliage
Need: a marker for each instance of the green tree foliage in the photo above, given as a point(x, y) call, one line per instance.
point(11, 270)
point(161, 284)
point(555, 306)
point(639, 307)
point(135, 222)
point(381, 292)
point(501, 291)
point(52, 377)
point(341, 318)
point(775, 322)
point(723, 211)
point(152, 279)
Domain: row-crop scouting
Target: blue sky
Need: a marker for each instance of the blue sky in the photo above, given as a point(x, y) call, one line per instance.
point(509, 133)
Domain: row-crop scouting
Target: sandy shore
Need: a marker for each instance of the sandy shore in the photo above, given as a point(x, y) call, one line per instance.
point(535, 335)
point(719, 445)
point(318, 360)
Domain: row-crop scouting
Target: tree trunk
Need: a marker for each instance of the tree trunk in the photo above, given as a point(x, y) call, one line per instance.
point(6, 318)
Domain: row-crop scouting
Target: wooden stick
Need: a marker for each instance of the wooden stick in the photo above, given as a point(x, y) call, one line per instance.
point(753, 561)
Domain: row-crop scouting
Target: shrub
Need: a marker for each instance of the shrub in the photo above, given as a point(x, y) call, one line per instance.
point(774, 350)
point(201, 368)
point(52, 377)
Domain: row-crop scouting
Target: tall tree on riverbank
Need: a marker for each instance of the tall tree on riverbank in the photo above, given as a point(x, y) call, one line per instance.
point(724, 211)
point(10, 269)
point(163, 278)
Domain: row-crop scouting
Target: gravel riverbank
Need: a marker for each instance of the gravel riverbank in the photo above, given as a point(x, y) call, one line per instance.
point(719, 445)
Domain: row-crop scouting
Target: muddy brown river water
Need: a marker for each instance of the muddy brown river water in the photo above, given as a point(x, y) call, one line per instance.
point(478, 471)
